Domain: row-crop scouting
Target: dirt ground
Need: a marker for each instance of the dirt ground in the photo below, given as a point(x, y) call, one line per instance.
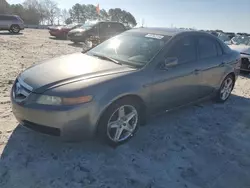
point(201, 146)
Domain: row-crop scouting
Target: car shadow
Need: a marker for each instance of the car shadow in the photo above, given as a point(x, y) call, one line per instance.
point(8, 33)
point(170, 150)
point(78, 45)
point(57, 38)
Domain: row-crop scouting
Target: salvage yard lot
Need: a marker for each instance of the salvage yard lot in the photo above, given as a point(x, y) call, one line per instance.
point(205, 145)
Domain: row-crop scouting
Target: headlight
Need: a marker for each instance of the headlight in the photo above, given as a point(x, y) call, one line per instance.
point(53, 100)
point(78, 34)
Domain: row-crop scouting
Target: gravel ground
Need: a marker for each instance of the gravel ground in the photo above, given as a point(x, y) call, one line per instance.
point(204, 146)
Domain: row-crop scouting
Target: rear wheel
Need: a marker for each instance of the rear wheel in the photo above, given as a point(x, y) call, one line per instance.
point(15, 29)
point(225, 89)
point(120, 122)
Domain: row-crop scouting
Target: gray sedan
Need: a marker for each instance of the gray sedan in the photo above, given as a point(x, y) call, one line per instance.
point(109, 90)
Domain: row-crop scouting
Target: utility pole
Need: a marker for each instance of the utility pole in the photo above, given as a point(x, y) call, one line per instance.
point(142, 22)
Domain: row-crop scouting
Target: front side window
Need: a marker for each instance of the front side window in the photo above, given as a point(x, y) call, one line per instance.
point(184, 50)
point(130, 48)
point(207, 47)
point(87, 26)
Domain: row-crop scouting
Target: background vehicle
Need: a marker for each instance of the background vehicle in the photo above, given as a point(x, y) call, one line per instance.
point(99, 31)
point(241, 43)
point(62, 31)
point(230, 35)
point(110, 89)
point(11, 23)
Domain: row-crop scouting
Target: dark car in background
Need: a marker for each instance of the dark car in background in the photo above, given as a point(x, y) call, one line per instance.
point(230, 35)
point(241, 43)
point(62, 31)
point(11, 23)
point(98, 32)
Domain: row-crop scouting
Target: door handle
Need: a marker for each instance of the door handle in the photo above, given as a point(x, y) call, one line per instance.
point(222, 64)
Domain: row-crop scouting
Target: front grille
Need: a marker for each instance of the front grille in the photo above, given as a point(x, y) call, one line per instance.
point(42, 129)
point(21, 90)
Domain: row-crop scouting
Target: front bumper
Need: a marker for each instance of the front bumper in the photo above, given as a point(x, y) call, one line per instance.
point(22, 26)
point(74, 38)
point(69, 122)
point(56, 33)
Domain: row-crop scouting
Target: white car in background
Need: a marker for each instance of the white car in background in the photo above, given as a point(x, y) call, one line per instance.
point(242, 45)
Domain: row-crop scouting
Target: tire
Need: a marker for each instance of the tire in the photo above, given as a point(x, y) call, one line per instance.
point(225, 91)
point(15, 29)
point(109, 132)
point(10, 31)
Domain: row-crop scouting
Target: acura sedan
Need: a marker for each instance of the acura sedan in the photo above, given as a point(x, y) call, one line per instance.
point(109, 90)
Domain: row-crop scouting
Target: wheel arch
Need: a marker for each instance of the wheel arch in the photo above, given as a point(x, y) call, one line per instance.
point(135, 97)
point(223, 78)
point(233, 75)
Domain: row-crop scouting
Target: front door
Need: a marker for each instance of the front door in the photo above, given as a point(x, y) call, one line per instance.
point(4, 23)
point(178, 85)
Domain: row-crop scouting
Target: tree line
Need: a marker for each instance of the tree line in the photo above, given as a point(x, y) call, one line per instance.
point(47, 12)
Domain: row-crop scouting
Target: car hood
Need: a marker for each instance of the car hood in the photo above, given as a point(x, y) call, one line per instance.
point(67, 69)
point(55, 27)
point(241, 48)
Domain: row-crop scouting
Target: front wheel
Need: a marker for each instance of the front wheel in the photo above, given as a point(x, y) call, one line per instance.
point(15, 29)
point(120, 122)
point(225, 89)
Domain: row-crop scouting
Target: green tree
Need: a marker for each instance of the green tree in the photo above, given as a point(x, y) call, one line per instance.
point(68, 21)
point(76, 13)
point(122, 16)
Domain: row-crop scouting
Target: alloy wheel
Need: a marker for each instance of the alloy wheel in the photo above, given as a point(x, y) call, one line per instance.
point(122, 123)
point(15, 29)
point(226, 89)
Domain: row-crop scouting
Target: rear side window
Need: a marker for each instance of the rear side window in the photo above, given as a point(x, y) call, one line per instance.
point(206, 47)
point(219, 49)
point(117, 27)
point(184, 50)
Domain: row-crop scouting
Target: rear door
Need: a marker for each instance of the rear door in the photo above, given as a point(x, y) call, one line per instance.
point(211, 64)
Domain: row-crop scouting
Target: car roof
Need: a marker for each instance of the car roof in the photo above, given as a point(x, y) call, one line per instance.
point(165, 31)
point(9, 15)
point(109, 22)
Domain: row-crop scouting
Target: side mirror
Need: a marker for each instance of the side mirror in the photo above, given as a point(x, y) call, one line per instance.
point(170, 62)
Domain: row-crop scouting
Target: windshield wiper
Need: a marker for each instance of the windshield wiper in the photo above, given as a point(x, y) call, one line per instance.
point(107, 58)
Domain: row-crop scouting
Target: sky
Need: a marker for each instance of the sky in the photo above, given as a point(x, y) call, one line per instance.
point(227, 15)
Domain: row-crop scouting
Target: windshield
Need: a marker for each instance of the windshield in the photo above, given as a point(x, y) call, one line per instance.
point(241, 40)
point(132, 49)
point(86, 26)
